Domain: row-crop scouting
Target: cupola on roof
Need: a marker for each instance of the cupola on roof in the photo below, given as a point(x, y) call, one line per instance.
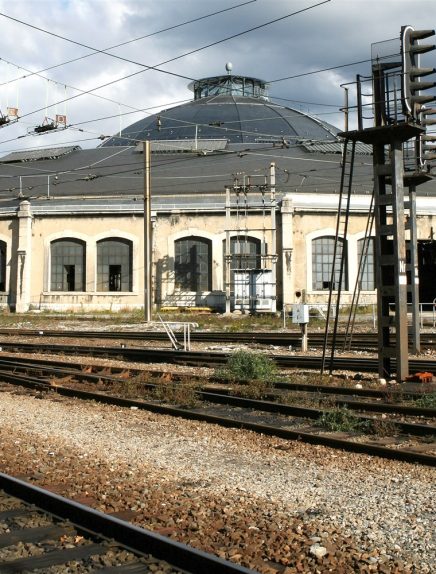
point(229, 85)
point(230, 107)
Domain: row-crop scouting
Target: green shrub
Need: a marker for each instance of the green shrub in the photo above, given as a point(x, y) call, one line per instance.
point(247, 366)
point(342, 420)
point(426, 401)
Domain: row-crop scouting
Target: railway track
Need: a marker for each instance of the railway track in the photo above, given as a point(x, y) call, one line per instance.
point(56, 531)
point(244, 413)
point(206, 359)
point(359, 341)
point(93, 372)
point(10, 368)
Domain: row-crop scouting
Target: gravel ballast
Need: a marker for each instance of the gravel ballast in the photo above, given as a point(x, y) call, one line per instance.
point(270, 504)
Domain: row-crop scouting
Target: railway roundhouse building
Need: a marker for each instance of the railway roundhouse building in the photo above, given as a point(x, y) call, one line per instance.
point(244, 197)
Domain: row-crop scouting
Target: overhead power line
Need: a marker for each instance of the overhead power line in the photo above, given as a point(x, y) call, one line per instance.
point(105, 50)
point(155, 67)
point(339, 66)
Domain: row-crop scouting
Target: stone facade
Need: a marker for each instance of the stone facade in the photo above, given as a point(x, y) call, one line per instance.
point(301, 218)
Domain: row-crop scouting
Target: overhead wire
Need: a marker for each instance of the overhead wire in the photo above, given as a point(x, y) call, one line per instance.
point(134, 169)
point(39, 72)
point(104, 50)
point(299, 75)
point(274, 80)
point(155, 67)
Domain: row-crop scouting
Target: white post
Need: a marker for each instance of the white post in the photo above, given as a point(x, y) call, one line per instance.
point(147, 233)
point(23, 261)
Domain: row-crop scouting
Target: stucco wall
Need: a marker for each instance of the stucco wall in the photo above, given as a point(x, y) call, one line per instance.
point(297, 225)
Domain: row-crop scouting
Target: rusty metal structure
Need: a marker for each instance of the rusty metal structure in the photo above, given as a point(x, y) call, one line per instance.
point(251, 276)
point(393, 116)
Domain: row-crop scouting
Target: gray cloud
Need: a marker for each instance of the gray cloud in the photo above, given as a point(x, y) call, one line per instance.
point(332, 34)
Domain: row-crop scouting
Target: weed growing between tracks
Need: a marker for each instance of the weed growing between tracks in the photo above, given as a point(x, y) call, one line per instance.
point(383, 428)
point(310, 400)
point(311, 378)
point(247, 366)
point(426, 401)
point(256, 372)
point(342, 420)
point(147, 388)
point(184, 395)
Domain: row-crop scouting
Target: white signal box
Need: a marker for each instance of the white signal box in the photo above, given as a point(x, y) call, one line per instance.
point(300, 314)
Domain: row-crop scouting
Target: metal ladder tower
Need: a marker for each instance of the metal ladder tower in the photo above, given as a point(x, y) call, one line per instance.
point(339, 254)
point(401, 159)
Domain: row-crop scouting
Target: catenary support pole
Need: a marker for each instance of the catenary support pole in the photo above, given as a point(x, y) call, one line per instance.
point(147, 232)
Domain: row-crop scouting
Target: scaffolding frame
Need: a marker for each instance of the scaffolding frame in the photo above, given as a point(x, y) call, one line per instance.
point(238, 215)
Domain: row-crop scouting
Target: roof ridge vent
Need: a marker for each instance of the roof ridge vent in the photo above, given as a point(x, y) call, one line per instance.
point(38, 154)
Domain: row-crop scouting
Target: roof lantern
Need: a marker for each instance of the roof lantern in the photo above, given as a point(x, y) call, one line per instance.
point(229, 85)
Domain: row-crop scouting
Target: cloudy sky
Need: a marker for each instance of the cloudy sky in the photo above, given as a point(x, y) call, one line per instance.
point(47, 51)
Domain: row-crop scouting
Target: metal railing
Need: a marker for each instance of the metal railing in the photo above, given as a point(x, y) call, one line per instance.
point(171, 326)
point(319, 311)
point(423, 311)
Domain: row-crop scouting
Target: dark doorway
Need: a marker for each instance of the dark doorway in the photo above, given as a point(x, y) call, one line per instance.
point(427, 271)
point(70, 276)
point(114, 277)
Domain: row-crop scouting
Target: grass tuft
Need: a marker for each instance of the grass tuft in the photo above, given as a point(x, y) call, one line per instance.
point(342, 420)
point(247, 366)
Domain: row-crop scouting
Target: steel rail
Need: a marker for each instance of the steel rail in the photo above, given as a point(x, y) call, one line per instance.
point(131, 537)
point(77, 369)
point(320, 439)
point(274, 406)
point(309, 413)
point(360, 340)
point(398, 409)
point(208, 392)
point(147, 355)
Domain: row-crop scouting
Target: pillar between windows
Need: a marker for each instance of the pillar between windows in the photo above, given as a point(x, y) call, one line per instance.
point(288, 286)
point(23, 258)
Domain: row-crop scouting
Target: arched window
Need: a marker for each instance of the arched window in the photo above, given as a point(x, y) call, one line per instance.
point(322, 262)
point(3, 252)
point(114, 265)
point(193, 264)
point(367, 272)
point(245, 252)
point(67, 265)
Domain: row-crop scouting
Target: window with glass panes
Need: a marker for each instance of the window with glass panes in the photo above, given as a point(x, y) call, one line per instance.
point(322, 263)
point(193, 264)
point(67, 258)
point(114, 265)
point(245, 252)
point(367, 273)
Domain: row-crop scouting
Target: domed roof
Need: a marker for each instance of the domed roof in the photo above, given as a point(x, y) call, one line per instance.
point(231, 108)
